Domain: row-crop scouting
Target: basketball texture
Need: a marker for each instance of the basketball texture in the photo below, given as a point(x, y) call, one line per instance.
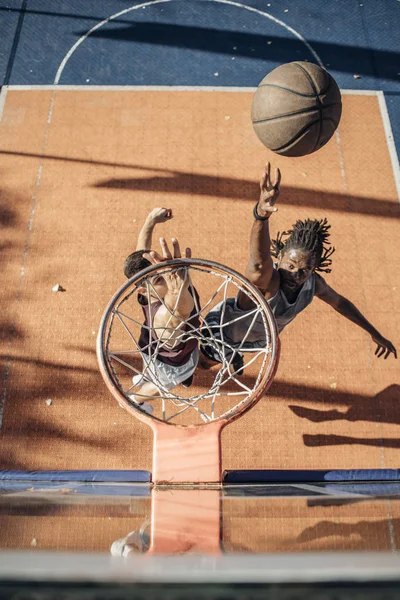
point(296, 109)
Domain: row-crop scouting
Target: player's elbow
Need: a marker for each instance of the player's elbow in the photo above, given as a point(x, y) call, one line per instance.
point(259, 273)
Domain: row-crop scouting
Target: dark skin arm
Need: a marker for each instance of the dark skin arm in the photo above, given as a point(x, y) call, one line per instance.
point(260, 268)
point(346, 308)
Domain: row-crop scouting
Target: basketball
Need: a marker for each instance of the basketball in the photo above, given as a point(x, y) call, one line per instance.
point(296, 109)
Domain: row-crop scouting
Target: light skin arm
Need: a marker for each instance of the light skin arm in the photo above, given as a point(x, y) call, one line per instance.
point(346, 308)
point(260, 268)
point(178, 299)
point(157, 215)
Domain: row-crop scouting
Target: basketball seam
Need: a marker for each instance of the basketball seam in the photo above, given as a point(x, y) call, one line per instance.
point(312, 83)
point(291, 114)
point(298, 134)
point(281, 87)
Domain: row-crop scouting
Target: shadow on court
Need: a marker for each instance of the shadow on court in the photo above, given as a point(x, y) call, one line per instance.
point(375, 534)
point(187, 184)
point(344, 58)
point(340, 57)
point(382, 408)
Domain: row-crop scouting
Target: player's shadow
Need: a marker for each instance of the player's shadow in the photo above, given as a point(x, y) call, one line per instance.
point(318, 440)
point(375, 534)
point(190, 184)
point(267, 48)
point(381, 408)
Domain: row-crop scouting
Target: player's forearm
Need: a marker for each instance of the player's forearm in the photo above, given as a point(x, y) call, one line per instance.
point(351, 312)
point(260, 244)
point(179, 305)
point(146, 235)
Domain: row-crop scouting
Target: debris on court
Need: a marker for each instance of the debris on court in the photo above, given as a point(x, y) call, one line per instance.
point(34, 542)
point(333, 386)
point(49, 401)
point(58, 288)
point(357, 76)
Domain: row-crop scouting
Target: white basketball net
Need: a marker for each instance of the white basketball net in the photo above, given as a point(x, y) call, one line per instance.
point(223, 380)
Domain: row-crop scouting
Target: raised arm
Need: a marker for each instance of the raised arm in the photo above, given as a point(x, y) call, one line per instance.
point(178, 302)
point(260, 268)
point(157, 215)
point(346, 308)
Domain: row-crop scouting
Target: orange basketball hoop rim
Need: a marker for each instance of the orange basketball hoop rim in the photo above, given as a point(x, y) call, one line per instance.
point(187, 454)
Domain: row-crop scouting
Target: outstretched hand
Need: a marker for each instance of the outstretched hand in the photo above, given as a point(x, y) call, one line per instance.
point(269, 191)
point(384, 347)
point(176, 278)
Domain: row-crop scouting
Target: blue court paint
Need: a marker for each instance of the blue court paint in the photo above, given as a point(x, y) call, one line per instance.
point(202, 42)
point(309, 476)
point(11, 20)
point(80, 476)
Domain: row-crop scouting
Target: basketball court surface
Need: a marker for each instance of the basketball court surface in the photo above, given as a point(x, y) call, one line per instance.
point(109, 109)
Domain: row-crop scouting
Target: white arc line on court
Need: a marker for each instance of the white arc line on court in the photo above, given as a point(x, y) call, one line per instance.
point(153, 2)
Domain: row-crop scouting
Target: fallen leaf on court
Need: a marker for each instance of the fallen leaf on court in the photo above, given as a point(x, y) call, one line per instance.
point(357, 76)
point(227, 118)
point(333, 386)
point(30, 490)
point(58, 288)
point(269, 43)
point(34, 542)
point(49, 401)
point(286, 10)
point(304, 174)
point(216, 74)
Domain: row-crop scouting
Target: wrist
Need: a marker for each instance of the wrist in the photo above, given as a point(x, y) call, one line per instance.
point(259, 217)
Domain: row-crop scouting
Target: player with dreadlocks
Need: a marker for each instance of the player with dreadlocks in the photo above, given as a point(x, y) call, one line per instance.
point(289, 284)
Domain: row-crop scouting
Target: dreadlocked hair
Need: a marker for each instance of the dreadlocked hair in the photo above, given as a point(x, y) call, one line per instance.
point(310, 236)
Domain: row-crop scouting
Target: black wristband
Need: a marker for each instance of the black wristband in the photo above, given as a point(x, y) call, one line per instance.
point(257, 216)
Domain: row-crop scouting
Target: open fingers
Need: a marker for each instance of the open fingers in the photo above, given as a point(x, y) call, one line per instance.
point(380, 351)
point(176, 247)
point(268, 174)
point(277, 179)
point(153, 257)
point(165, 250)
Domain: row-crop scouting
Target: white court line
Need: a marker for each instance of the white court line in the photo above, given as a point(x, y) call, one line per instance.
point(3, 96)
point(390, 141)
point(360, 92)
point(162, 88)
point(153, 2)
point(132, 88)
point(27, 245)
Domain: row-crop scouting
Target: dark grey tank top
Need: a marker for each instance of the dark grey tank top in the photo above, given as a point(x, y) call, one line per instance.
point(284, 311)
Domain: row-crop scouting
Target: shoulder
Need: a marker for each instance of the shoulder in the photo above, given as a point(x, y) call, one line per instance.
point(274, 285)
